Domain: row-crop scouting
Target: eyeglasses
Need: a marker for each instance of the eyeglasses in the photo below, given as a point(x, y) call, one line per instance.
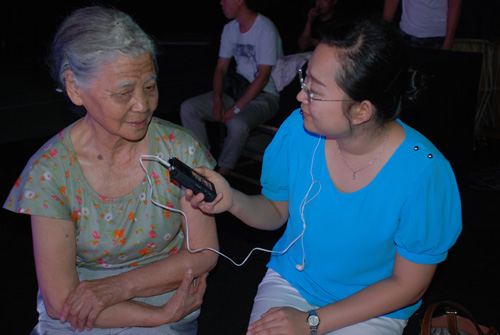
point(309, 95)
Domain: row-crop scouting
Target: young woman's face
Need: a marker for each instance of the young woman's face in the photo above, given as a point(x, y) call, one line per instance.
point(324, 117)
point(122, 99)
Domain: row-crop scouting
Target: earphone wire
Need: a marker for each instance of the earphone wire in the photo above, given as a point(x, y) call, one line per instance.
point(304, 202)
point(158, 159)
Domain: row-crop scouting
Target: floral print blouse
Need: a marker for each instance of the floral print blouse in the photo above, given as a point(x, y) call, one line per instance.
point(111, 233)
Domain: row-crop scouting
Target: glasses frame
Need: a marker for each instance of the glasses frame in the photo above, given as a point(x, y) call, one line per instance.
point(310, 96)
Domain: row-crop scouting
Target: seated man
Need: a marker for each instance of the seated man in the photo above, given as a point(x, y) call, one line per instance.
point(318, 17)
point(254, 42)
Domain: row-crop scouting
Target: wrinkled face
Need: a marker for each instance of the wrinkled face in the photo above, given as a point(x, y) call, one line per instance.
point(122, 98)
point(324, 117)
point(230, 8)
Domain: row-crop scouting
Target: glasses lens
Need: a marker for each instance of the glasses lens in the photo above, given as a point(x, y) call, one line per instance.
point(303, 86)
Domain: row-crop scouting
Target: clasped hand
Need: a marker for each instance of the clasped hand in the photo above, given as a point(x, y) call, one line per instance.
point(90, 298)
point(221, 114)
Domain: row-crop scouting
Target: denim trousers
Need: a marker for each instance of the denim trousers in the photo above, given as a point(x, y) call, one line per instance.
point(422, 42)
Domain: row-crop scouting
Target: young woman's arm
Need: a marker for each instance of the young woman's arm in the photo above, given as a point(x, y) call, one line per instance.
point(255, 210)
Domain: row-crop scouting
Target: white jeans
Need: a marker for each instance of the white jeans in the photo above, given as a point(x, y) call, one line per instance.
point(196, 111)
point(275, 291)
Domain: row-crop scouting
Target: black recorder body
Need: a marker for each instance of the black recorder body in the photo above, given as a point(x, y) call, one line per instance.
point(191, 179)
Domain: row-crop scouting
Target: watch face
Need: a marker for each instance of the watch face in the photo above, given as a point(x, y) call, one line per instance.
point(313, 320)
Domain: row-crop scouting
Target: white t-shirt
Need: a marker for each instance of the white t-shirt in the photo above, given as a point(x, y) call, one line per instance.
point(261, 45)
point(424, 18)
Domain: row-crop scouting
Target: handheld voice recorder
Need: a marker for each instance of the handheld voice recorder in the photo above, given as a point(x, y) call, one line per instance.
point(191, 179)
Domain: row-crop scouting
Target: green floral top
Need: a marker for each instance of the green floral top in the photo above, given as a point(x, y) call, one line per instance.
point(111, 233)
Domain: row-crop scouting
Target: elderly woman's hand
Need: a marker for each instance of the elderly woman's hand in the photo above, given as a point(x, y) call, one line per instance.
point(187, 298)
point(224, 200)
point(89, 298)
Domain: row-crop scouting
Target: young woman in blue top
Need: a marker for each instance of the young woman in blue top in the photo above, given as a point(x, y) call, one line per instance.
point(370, 205)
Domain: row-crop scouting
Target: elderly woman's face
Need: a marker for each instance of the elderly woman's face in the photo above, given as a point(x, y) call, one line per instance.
point(123, 97)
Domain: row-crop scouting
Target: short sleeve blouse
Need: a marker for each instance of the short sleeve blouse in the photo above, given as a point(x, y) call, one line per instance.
point(110, 233)
point(350, 239)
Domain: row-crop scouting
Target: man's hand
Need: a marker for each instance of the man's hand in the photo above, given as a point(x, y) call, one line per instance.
point(228, 114)
point(218, 110)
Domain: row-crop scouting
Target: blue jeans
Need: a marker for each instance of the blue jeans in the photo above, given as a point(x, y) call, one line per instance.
point(196, 111)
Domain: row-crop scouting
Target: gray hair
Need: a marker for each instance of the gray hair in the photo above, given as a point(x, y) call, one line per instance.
point(93, 36)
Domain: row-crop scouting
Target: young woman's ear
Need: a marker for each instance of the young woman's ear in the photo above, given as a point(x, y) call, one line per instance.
point(363, 112)
point(72, 89)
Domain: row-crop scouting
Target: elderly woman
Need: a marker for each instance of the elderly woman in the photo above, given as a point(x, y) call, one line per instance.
point(370, 205)
point(109, 258)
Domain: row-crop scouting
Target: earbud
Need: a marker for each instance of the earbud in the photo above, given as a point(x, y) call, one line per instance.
point(300, 267)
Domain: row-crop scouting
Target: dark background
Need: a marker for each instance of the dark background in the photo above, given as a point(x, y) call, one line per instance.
point(27, 27)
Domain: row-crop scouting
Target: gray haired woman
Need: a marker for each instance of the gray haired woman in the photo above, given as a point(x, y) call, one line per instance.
point(111, 244)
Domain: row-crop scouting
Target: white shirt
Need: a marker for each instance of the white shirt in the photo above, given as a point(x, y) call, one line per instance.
point(424, 18)
point(261, 45)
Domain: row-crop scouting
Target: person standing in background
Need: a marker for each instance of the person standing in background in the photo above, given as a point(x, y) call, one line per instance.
point(426, 23)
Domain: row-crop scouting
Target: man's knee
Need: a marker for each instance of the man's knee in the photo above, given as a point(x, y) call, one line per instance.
point(186, 107)
point(238, 126)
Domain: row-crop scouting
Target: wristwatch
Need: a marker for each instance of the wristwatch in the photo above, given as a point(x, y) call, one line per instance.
point(236, 109)
point(313, 322)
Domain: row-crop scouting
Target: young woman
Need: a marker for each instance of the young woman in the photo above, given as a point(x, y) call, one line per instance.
point(370, 205)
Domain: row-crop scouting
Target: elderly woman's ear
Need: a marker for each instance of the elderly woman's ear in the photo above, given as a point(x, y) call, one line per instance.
point(72, 89)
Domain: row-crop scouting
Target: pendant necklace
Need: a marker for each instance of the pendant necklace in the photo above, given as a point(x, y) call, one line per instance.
point(367, 165)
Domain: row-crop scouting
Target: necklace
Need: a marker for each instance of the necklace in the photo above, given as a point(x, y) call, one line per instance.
point(367, 165)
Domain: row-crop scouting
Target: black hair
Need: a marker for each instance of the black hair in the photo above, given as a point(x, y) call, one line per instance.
point(374, 65)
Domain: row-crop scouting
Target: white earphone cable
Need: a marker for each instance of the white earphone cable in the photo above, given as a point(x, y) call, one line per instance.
point(302, 206)
point(155, 158)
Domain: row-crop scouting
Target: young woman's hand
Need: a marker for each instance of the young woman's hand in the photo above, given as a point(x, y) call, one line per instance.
point(280, 320)
point(224, 200)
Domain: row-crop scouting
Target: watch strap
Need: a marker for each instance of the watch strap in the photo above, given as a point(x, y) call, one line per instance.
point(313, 322)
point(236, 109)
